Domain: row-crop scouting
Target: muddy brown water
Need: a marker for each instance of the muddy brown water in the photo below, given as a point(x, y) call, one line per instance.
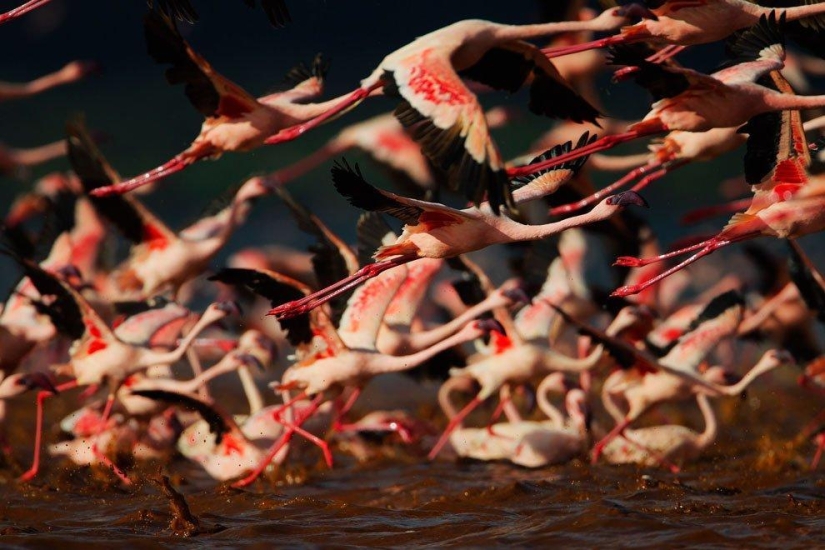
point(752, 489)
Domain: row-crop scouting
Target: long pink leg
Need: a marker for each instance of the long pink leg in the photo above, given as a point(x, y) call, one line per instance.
point(345, 408)
point(38, 433)
point(454, 423)
point(311, 301)
point(170, 167)
point(323, 445)
point(617, 430)
point(701, 214)
point(101, 456)
point(277, 446)
point(550, 53)
point(22, 10)
point(661, 56)
point(820, 445)
point(301, 167)
point(353, 99)
point(658, 174)
point(601, 193)
point(607, 142)
point(655, 454)
point(633, 289)
point(630, 261)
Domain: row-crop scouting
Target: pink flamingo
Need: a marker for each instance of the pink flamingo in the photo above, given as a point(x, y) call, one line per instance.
point(694, 102)
point(433, 230)
point(531, 444)
point(445, 117)
point(97, 355)
point(671, 444)
point(160, 258)
point(679, 23)
point(235, 121)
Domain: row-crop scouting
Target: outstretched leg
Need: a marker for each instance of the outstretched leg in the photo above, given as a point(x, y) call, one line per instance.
point(353, 99)
point(22, 10)
point(642, 129)
point(38, 433)
point(454, 423)
point(100, 455)
point(310, 302)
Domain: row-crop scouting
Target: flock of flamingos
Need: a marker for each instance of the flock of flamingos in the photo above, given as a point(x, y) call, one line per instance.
point(524, 364)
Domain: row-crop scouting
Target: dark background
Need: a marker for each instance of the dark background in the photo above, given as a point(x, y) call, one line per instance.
point(147, 121)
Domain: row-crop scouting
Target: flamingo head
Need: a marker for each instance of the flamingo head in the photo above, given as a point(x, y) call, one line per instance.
point(20, 383)
point(258, 347)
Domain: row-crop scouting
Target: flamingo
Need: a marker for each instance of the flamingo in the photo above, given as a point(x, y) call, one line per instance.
point(433, 230)
point(675, 375)
point(235, 121)
point(676, 24)
point(332, 260)
point(446, 118)
point(69, 74)
point(669, 444)
point(694, 102)
point(276, 10)
point(161, 258)
point(513, 361)
point(531, 444)
point(97, 355)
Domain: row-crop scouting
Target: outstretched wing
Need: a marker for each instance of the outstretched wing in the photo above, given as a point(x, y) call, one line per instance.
point(447, 121)
point(276, 288)
point(510, 65)
point(219, 422)
point(130, 217)
point(211, 93)
point(351, 184)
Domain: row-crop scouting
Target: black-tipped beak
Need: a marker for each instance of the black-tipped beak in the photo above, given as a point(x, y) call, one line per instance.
point(230, 308)
point(251, 361)
point(628, 198)
point(40, 380)
point(636, 11)
point(517, 296)
point(490, 325)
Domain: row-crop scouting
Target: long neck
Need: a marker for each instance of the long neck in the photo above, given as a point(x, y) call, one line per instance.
point(558, 361)
point(424, 339)
point(528, 32)
point(224, 366)
point(38, 155)
point(520, 232)
point(799, 12)
point(253, 394)
point(150, 357)
point(543, 401)
point(776, 101)
point(454, 383)
point(399, 363)
point(765, 365)
point(617, 163)
point(708, 435)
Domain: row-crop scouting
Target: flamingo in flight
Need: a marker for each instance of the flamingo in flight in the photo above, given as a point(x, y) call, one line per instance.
point(786, 203)
point(349, 357)
point(70, 73)
point(160, 258)
point(676, 24)
point(276, 10)
point(433, 230)
point(445, 117)
point(97, 355)
point(235, 121)
point(694, 102)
